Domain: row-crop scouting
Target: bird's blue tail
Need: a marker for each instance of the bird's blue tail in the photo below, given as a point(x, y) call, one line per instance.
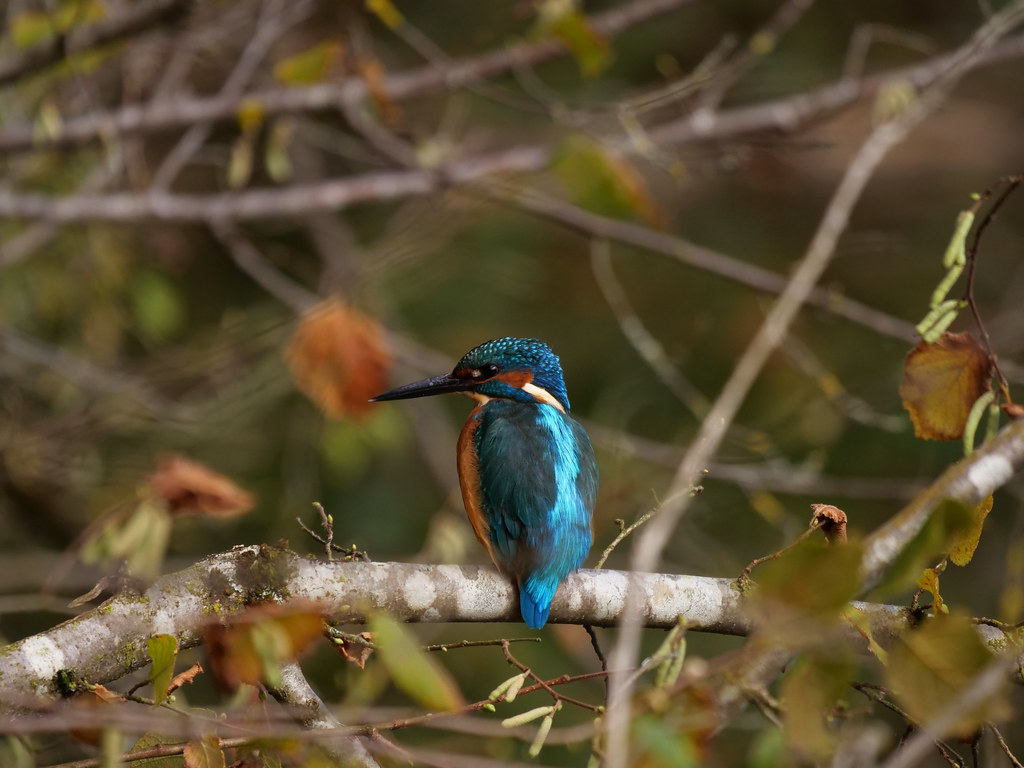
point(534, 604)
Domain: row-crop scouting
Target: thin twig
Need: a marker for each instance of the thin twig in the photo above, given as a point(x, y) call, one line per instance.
point(1005, 747)
point(1011, 183)
point(744, 577)
point(643, 341)
point(251, 261)
point(328, 523)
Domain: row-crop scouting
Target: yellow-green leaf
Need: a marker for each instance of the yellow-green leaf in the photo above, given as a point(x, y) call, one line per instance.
point(163, 650)
point(275, 157)
point(966, 540)
point(250, 115)
point(156, 305)
point(810, 691)
point(602, 182)
point(930, 667)
point(386, 11)
point(31, 27)
point(411, 669)
point(949, 520)
point(310, 66)
point(141, 540)
point(561, 19)
point(929, 582)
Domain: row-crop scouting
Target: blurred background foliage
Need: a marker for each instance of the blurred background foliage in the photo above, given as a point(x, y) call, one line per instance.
point(127, 340)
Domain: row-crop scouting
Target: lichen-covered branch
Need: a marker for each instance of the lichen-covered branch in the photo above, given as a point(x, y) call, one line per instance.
point(109, 642)
point(968, 481)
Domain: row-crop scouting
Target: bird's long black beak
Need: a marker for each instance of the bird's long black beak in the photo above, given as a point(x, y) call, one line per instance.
point(438, 385)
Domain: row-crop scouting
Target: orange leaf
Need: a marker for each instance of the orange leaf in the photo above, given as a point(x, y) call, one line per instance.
point(189, 487)
point(941, 381)
point(252, 648)
point(376, 79)
point(339, 358)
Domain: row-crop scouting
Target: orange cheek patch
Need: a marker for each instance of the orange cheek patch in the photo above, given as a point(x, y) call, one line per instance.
point(517, 379)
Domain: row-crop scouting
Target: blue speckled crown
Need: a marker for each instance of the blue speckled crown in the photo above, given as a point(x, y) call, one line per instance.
point(513, 354)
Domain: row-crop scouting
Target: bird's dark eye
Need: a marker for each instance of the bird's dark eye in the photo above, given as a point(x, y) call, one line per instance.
point(488, 371)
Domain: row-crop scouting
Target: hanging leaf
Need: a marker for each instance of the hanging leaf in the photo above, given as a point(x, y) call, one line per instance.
point(339, 359)
point(966, 541)
point(163, 650)
point(941, 382)
point(353, 651)
point(188, 676)
point(188, 487)
point(561, 19)
point(411, 669)
point(929, 582)
point(376, 79)
point(930, 667)
point(603, 182)
point(276, 159)
point(140, 540)
point(313, 65)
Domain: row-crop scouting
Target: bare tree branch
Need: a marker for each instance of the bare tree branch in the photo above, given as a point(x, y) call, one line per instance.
point(295, 692)
point(968, 481)
point(109, 642)
point(179, 113)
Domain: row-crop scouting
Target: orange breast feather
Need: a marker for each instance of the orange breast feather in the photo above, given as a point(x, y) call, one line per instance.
point(469, 480)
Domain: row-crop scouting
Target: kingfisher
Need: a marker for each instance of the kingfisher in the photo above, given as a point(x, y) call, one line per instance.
point(526, 467)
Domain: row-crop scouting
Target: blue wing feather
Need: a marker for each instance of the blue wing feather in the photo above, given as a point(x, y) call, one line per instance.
point(538, 482)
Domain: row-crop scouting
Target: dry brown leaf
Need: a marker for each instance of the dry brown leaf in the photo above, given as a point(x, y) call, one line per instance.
point(941, 381)
point(339, 358)
point(356, 653)
point(105, 695)
point(204, 752)
point(833, 522)
point(188, 676)
point(191, 488)
point(251, 648)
